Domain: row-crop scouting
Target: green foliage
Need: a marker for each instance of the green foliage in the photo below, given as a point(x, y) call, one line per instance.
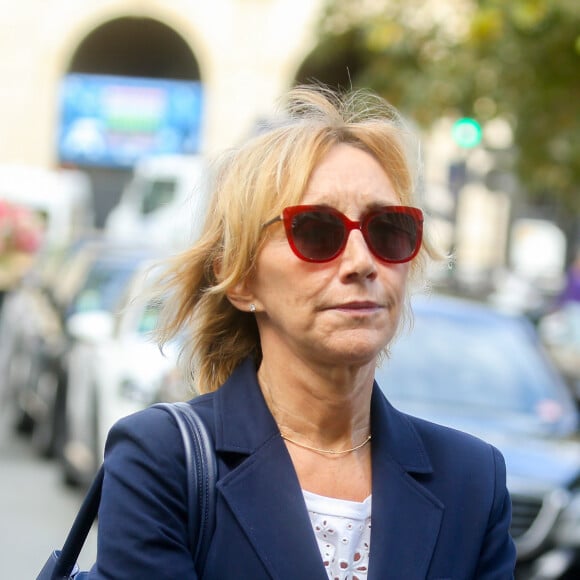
point(519, 60)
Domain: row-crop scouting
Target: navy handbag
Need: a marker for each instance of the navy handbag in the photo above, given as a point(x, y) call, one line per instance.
point(201, 478)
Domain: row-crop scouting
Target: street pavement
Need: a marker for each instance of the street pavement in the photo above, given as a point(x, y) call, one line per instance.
point(36, 508)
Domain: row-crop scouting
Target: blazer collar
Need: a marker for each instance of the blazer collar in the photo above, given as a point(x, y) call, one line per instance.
point(243, 420)
point(395, 435)
point(264, 494)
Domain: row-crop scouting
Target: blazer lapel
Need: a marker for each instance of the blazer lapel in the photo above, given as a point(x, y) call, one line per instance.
point(263, 492)
point(266, 499)
point(406, 517)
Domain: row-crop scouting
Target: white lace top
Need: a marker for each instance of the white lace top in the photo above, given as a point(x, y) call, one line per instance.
point(343, 531)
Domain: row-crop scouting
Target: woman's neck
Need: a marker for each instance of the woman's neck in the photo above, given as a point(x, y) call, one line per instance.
point(328, 411)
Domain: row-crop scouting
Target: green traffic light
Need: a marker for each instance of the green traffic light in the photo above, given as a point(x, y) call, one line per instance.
point(466, 132)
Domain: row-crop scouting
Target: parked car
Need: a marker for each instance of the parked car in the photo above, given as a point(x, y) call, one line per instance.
point(92, 279)
point(26, 316)
point(114, 369)
point(560, 332)
point(472, 368)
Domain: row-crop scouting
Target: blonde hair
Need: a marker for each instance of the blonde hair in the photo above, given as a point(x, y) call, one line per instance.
point(252, 184)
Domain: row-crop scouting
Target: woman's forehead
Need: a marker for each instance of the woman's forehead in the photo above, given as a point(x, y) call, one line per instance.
point(349, 176)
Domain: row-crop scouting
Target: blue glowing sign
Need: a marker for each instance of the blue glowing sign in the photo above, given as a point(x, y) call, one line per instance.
point(112, 121)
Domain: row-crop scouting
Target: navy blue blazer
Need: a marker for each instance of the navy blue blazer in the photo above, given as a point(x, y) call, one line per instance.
point(440, 507)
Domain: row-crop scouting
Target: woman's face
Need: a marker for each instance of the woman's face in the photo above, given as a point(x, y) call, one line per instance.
point(341, 312)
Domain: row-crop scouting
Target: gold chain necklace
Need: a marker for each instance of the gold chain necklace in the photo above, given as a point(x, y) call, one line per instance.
point(326, 451)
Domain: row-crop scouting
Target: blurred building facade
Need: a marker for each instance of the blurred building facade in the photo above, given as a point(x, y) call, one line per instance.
point(243, 54)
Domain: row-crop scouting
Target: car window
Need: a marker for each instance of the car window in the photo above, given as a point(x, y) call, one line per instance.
point(159, 193)
point(149, 317)
point(480, 365)
point(104, 286)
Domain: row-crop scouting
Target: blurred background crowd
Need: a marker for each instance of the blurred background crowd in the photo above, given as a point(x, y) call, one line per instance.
point(110, 113)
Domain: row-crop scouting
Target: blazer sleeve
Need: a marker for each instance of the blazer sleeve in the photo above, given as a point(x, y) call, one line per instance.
point(142, 527)
point(498, 554)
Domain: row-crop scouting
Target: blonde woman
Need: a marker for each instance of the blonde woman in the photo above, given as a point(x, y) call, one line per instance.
point(287, 302)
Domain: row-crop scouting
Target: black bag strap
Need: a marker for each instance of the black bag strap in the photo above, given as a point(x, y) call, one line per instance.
point(80, 529)
point(201, 465)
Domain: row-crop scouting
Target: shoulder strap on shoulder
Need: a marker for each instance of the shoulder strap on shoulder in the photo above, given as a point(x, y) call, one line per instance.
point(201, 465)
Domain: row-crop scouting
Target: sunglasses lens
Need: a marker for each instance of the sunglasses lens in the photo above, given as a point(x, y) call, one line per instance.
point(393, 236)
point(317, 235)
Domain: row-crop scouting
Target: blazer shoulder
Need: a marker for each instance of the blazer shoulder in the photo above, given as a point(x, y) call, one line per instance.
point(458, 448)
point(444, 433)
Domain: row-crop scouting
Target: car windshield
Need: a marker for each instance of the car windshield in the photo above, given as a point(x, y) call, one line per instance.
point(149, 317)
point(104, 285)
point(471, 368)
point(158, 193)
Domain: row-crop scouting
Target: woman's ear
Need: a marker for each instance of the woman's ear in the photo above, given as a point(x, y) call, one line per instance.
point(242, 297)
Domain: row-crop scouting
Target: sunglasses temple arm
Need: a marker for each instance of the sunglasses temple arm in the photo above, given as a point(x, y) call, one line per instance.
point(272, 221)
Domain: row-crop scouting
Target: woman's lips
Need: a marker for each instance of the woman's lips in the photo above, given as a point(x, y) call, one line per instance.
point(358, 306)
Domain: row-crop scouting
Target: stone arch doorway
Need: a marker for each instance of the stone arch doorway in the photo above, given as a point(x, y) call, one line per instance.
point(140, 47)
point(129, 47)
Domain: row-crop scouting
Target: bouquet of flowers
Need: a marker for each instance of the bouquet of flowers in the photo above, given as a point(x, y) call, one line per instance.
point(20, 237)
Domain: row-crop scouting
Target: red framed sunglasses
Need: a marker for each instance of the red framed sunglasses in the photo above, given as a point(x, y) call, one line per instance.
point(393, 233)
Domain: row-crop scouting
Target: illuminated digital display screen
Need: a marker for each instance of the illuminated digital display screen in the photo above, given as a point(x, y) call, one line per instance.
point(112, 121)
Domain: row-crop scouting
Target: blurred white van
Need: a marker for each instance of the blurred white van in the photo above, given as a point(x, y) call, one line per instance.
point(61, 197)
point(163, 204)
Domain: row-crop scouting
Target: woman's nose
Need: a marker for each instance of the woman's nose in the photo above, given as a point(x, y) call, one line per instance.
point(357, 258)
